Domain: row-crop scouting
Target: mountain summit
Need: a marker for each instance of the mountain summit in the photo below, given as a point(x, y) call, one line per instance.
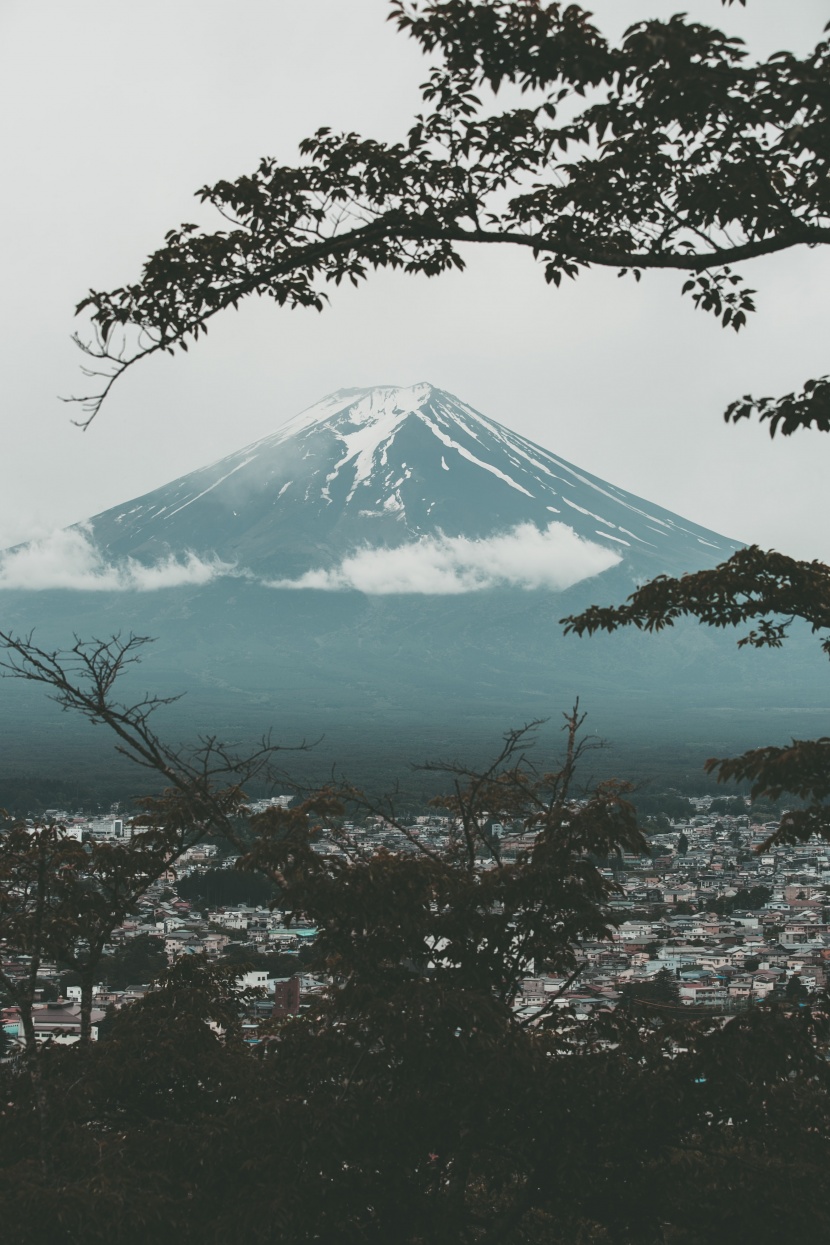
point(407, 468)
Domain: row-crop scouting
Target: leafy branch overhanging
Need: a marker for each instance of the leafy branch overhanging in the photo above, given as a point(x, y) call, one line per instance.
point(772, 591)
point(669, 150)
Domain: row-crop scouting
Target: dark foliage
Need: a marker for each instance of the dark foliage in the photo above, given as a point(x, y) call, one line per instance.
point(810, 409)
point(26, 794)
point(749, 899)
point(729, 807)
point(771, 591)
point(216, 888)
point(657, 993)
point(274, 963)
point(141, 960)
point(420, 1123)
point(675, 807)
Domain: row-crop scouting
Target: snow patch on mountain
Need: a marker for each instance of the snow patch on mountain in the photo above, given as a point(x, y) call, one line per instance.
point(375, 412)
point(524, 557)
point(465, 453)
point(212, 486)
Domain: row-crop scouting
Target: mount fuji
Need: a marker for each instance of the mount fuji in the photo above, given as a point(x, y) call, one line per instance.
point(387, 570)
point(412, 470)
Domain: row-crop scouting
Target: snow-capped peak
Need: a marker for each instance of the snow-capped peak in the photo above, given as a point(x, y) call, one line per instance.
point(383, 407)
point(382, 466)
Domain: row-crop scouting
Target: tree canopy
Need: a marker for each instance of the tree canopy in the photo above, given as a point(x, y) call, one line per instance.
point(669, 150)
point(772, 591)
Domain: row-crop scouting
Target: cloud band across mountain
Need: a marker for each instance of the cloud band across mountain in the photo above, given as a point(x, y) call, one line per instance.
point(70, 559)
point(525, 557)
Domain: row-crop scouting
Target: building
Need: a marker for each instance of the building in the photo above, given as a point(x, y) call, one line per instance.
point(286, 996)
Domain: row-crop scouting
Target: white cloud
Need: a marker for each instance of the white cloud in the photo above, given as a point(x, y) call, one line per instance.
point(524, 557)
point(69, 559)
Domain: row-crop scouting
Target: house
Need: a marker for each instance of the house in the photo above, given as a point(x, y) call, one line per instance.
point(803, 933)
point(706, 992)
point(256, 979)
point(764, 982)
point(61, 1023)
point(214, 944)
point(180, 942)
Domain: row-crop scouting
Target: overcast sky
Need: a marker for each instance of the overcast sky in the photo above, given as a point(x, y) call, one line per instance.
point(114, 113)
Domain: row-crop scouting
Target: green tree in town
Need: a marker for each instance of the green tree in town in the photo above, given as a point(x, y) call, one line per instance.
point(734, 807)
point(660, 990)
point(139, 961)
point(747, 897)
point(217, 888)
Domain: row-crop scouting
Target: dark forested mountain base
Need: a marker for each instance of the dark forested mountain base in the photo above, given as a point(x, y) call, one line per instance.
point(384, 682)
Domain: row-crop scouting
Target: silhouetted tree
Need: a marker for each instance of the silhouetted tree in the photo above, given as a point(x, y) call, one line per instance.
point(668, 150)
point(771, 591)
point(139, 961)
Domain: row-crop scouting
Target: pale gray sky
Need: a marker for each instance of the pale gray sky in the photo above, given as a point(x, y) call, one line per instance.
point(115, 113)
